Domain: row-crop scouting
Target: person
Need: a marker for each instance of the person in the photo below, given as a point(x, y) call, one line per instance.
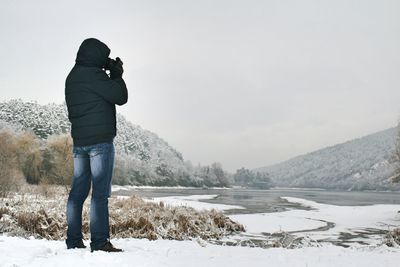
point(91, 95)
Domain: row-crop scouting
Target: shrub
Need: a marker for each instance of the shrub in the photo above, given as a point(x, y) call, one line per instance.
point(58, 160)
point(29, 157)
point(10, 177)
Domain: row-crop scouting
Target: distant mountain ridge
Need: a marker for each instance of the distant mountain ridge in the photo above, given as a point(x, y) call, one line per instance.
point(360, 164)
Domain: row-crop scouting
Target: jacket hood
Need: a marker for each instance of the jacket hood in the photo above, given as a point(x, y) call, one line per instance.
point(92, 53)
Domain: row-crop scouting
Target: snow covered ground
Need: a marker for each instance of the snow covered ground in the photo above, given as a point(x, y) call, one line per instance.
point(326, 222)
point(16, 251)
point(162, 253)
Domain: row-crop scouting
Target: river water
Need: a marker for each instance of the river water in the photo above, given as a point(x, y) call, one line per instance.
point(258, 201)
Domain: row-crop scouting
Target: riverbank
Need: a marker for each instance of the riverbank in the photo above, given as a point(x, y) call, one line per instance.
point(316, 234)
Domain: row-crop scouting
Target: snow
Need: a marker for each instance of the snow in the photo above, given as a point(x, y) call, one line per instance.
point(193, 201)
point(142, 252)
point(346, 219)
point(275, 222)
point(16, 251)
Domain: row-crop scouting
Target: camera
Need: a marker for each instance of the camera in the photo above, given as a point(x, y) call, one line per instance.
point(113, 63)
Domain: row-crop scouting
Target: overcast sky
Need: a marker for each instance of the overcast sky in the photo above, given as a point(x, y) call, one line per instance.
point(245, 83)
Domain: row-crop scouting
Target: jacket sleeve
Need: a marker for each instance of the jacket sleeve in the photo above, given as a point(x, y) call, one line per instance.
point(113, 91)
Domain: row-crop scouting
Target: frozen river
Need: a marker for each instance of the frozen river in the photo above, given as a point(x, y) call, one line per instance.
point(257, 201)
point(339, 217)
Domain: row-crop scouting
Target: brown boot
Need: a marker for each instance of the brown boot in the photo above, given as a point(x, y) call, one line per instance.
point(107, 247)
point(78, 245)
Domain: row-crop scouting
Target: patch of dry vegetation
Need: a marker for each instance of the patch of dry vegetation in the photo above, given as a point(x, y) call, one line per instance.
point(44, 217)
point(26, 159)
point(156, 220)
point(392, 238)
point(10, 176)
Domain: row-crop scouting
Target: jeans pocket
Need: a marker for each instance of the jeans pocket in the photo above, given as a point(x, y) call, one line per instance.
point(95, 151)
point(76, 152)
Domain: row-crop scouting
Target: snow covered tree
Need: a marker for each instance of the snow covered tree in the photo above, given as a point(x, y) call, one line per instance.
point(219, 173)
point(243, 177)
point(120, 173)
point(395, 159)
point(248, 178)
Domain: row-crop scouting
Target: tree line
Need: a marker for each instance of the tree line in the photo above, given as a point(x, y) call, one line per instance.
point(25, 158)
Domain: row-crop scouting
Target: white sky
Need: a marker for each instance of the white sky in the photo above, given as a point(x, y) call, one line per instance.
point(246, 83)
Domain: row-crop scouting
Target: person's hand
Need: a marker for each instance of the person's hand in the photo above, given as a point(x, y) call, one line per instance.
point(116, 69)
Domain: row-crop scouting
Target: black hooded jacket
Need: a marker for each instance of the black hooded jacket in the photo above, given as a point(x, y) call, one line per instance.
point(91, 96)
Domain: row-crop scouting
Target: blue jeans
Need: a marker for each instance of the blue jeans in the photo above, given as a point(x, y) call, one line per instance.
point(92, 164)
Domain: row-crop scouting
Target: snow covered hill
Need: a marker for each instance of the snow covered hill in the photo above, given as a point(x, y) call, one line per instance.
point(360, 164)
point(46, 120)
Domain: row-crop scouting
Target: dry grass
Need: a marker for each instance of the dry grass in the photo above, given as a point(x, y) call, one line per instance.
point(392, 238)
point(155, 220)
point(34, 214)
point(3, 210)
